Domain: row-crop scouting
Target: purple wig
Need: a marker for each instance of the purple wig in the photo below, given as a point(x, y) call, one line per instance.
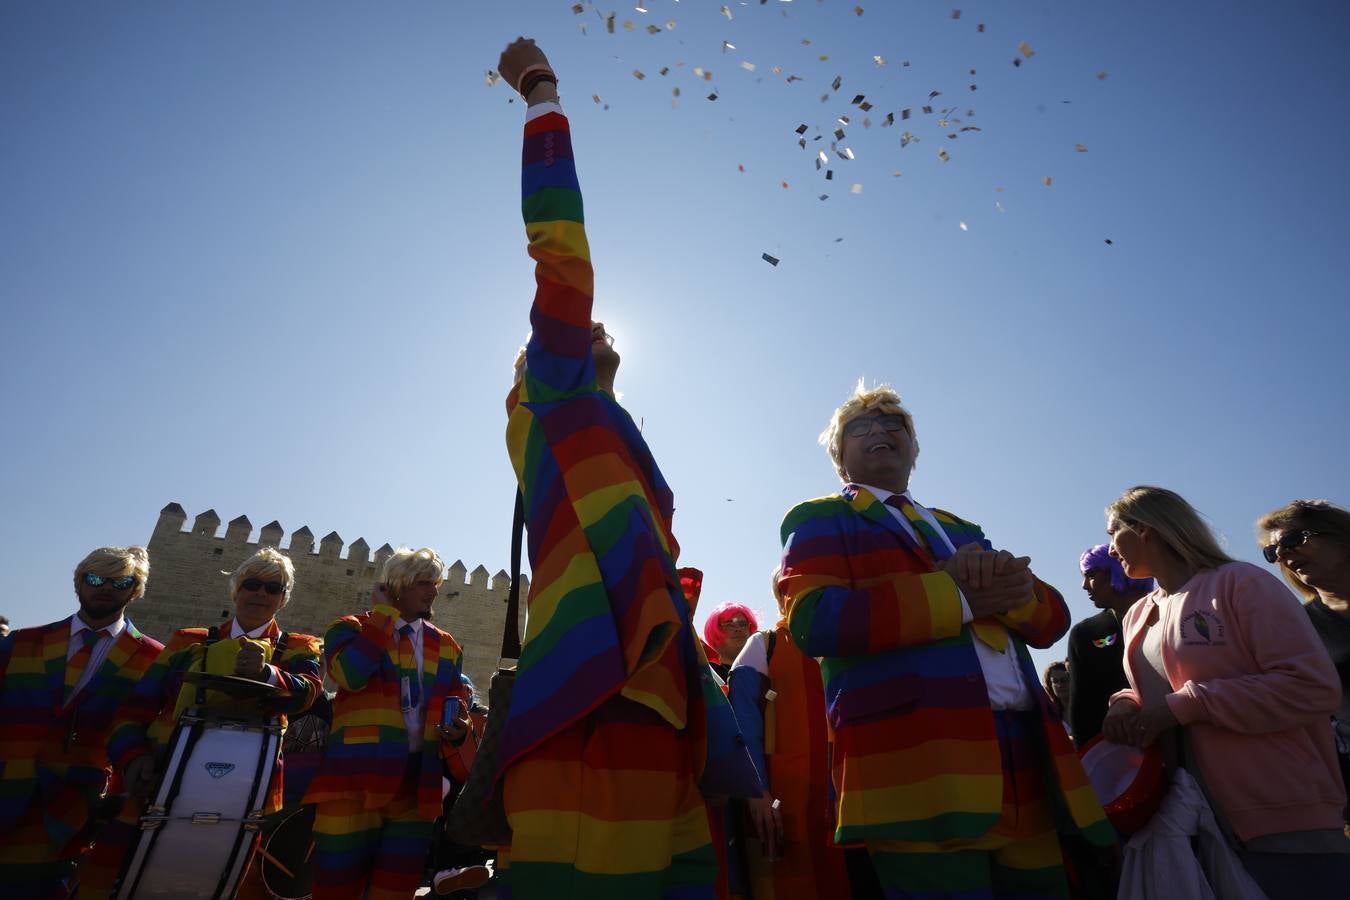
point(1099, 557)
point(712, 629)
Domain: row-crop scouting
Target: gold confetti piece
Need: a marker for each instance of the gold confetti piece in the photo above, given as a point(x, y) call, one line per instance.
point(1026, 50)
point(963, 226)
point(956, 14)
point(846, 153)
point(653, 29)
point(943, 155)
point(609, 23)
point(492, 78)
point(638, 75)
point(801, 129)
point(857, 10)
point(577, 9)
point(778, 70)
point(1101, 76)
point(998, 190)
point(842, 120)
point(628, 25)
point(726, 12)
point(748, 66)
point(942, 123)
point(727, 45)
point(596, 98)
point(856, 189)
point(771, 260)
point(1081, 148)
point(823, 57)
point(980, 28)
point(838, 80)
point(1047, 180)
point(879, 61)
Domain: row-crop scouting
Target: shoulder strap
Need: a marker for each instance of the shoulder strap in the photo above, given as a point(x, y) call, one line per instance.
point(511, 630)
point(282, 641)
point(770, 638)
point(212, 635)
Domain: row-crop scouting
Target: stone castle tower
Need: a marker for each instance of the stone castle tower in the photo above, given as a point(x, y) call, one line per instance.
point(189, 584)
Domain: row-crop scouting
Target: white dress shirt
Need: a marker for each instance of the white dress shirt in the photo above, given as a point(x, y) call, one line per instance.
point(108, 636)
point(414, 718)
point(1002, 672)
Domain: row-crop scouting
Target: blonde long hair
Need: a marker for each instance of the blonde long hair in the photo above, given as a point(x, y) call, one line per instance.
point(1180, 526)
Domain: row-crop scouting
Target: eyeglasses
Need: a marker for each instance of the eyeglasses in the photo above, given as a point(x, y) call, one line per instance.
point(861, 426)
point(253, 584)
point(606, 337)
point(1287, 541)
point(120, 583)
point(738, 622)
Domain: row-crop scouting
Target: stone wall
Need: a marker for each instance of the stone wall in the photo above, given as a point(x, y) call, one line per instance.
point(189, 584)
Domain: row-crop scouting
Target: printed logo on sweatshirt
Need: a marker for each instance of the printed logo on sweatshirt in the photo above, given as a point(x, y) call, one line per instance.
point(1202, 628)
point(1103, 642)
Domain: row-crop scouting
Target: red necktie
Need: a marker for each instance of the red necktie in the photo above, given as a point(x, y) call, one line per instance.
point(76, 665)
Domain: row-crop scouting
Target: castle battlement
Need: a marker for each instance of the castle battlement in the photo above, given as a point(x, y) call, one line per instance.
point(190, 568)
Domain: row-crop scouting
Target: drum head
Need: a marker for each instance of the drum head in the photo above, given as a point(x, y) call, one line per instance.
point(1129, 782)
point(290, 845)
point(232, 685)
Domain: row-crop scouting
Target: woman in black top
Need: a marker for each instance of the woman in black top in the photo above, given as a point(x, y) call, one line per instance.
point(1310, 539)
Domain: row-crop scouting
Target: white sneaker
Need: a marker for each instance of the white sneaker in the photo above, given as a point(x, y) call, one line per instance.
point(470, 878)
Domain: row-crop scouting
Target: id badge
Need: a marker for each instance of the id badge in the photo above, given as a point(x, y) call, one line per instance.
point(405, 693)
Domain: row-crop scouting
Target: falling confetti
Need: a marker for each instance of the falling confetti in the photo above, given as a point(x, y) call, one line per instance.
point(785, 185)
point(741, 167)
point(857, 10)
point(856, 189)
point(596, 98)
point(904, 114)
point(653, 29)
point(1101, 76)
point(824, 196)
point(713, 95)
point(628, 25)
point(1017, 62)
point(726, 12)
point(1081, 148)
point(1048, 180)
point(492, 78)
point(727, 45)
point(748, 66)
point(638, 75)
point(1109, 243)
point(956, 14)
point(670, 25)
point(577, 9)
point(801, 129)
point(963, 226)
point(881, 62)
point(665, 70)
point(609, 23)
point(943, 155)
point(980, 28)
point(1026, 50)
point(771, 260)
point(846, 154)
point(838, 80)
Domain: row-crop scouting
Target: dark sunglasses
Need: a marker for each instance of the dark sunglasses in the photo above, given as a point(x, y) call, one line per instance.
point(272, 587)
point(1288, 541)
point(860, 427)
point(120, 583)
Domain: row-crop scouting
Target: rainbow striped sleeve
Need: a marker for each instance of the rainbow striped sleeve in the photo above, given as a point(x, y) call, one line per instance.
point(831, 614)
point(354, 650)
point(146, 716)
point(298, 673)
point(1043, 619)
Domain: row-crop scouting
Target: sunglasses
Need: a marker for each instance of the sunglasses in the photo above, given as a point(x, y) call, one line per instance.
point(1288, 541)
point(120, 583)
point(253, 584)
point(860, 427)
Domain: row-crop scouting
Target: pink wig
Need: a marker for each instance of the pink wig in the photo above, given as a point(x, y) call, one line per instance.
point(712, 629)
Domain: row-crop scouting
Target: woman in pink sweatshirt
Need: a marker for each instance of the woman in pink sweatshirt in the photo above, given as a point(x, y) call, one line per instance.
point(1222, 649)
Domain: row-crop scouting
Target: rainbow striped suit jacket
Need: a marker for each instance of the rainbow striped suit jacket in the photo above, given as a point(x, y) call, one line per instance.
point(39, 763)
point(607, 615)
point(146, 721)
point(367, 749)
point(916, 756)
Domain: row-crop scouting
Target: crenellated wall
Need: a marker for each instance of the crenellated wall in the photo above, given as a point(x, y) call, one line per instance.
point(190, 569)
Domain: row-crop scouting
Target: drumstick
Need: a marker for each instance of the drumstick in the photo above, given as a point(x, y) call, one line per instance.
point(310, 851)
point(262, 851)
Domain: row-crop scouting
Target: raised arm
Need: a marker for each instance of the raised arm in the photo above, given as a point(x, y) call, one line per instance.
point(354, 649)
point(558, 354)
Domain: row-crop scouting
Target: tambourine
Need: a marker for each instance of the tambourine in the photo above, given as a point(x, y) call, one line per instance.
point(1130, 783)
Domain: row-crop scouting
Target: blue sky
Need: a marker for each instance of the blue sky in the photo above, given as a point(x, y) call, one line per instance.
point(267, 258)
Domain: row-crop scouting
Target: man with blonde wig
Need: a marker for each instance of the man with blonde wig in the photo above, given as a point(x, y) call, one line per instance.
point(378, 789)
point(949, 762)
point(249, 644)
point(60, 685)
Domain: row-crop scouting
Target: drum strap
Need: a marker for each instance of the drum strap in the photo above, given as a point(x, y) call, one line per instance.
point(212, 635)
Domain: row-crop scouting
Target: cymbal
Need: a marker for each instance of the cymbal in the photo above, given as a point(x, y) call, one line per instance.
point(235, 686)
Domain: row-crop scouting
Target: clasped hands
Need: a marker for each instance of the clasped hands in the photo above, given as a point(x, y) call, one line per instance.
point(992, 581)
point(1127, 723)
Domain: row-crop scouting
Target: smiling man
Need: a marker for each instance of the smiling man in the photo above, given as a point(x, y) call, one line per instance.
point(949, 761)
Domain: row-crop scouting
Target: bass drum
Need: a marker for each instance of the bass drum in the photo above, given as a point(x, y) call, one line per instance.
point(200, 829)
point(287, 871)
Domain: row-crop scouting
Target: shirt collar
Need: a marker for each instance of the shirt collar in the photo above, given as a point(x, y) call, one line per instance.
point(237, 631)
point(416, 624)
point(114, 630)
point(883, 495)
